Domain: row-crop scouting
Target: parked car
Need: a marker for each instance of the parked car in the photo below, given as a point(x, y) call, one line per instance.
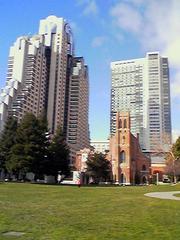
point(166, 180)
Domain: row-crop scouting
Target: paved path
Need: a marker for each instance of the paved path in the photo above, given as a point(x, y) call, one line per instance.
point(164, 195)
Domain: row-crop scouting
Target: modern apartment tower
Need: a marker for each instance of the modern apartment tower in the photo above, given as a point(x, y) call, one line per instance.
point(141, 87)
point(78, 102)
point(42, 74)
point(58, 37)
point(27, 79)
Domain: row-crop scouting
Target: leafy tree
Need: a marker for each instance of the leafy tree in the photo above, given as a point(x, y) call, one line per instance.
point(98, 167)
point(18, 160)
point(176, 148)
point(7, 140)
point(58, 159)
point(28, 154)
point(33, 152)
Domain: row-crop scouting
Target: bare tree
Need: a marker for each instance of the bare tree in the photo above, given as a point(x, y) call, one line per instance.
point(169, 151)
point(172, 165)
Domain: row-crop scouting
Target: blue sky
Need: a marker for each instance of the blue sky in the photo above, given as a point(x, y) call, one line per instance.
point(104, 31)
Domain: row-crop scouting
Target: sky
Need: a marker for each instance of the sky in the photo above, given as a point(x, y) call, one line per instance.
point(104, 31)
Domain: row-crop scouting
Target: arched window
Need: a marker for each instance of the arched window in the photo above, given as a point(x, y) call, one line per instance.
point(125, 123)
point(120, 123)
point(123, 140)
point(122, 157)
point(144, 167)
point(123, 178)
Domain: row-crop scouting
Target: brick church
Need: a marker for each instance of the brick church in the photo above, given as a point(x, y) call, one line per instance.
point(129, 164)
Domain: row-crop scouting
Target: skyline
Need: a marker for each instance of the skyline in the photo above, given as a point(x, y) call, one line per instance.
point(113, 36)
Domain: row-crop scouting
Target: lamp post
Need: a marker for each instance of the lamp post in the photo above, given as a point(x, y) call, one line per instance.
point(174, 168)
point(174, 171)
point(157, 178)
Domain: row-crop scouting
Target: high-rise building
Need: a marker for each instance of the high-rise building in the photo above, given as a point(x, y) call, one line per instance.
point(58, 37)
point(31, 96)
point(27, 79)
point(78, 101)
point(141, 87)
point(44, 76)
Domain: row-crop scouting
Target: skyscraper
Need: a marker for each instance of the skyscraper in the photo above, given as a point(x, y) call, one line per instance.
point(78, 102)
point(141, 86)
point(42, 74)
point(27, 79)
point(58, 37)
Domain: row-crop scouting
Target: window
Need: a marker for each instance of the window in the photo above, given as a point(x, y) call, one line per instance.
point(120, 123)
point(144, 167)
point(122, 156)
point(125, 123)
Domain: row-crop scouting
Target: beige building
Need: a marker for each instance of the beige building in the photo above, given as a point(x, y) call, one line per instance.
point(31, 96)
point(100, 146)
point(27, 79)
point(44, 76)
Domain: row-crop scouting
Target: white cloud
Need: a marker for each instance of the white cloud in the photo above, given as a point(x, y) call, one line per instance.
point(98, 41)
point(175, 85)
point(126, 17)
point(156, 26)
point(175, 135)
point(173, 51)
point(90, 6)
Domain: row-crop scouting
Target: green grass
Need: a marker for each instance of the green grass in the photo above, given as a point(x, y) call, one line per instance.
point(46, 212)
point(177, 195)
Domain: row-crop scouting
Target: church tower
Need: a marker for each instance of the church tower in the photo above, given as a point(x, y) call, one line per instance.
point(121, 155)
point(129, 164)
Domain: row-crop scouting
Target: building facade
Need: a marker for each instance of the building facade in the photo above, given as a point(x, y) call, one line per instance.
point(100, 146)
point(58, 37)
point(27, 79)
point(141, 87)
point(44, 76)
point(81, 159)
point(81, 166)
point(78, 101)
point(129, 164)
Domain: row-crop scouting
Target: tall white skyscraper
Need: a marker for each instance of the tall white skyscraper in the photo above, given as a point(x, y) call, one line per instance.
point(44, 76)
point(141, 87)
point(27, 79)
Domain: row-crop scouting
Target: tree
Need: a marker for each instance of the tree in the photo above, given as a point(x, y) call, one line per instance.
point(176, 148)
point(30, 150)
point(58, 158)
point(18, 161)
point(172, 167)
point(173, 161)
point(98, 167)
point(7, 140)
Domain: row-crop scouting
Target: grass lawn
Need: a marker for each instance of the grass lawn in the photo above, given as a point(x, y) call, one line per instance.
point(46, 212)
point(177, 195)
